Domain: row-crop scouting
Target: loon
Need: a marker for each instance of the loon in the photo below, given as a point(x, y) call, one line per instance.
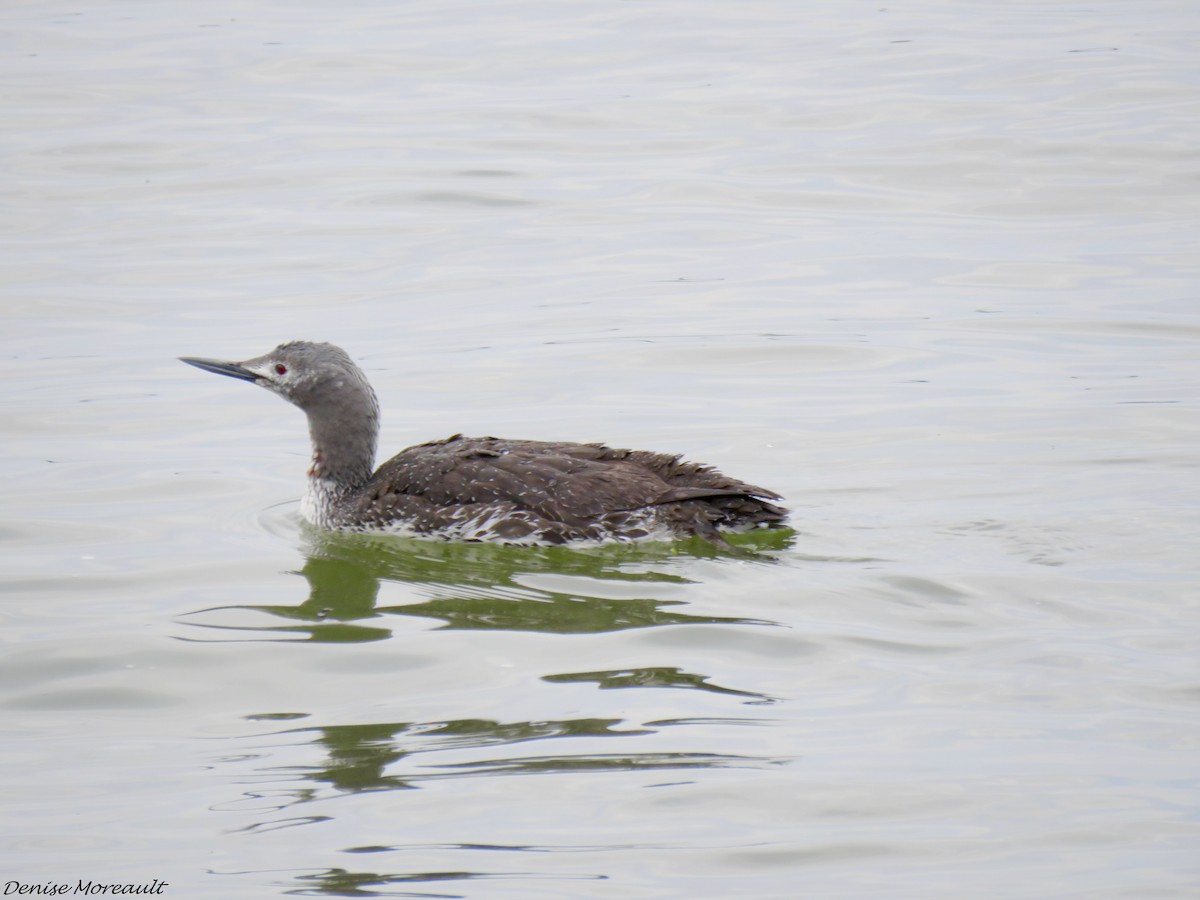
point(487, 488)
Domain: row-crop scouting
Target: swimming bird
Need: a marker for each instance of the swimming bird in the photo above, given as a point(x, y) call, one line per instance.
point(486, 488)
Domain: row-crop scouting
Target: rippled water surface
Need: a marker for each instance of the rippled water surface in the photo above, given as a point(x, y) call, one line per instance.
point(927, 269)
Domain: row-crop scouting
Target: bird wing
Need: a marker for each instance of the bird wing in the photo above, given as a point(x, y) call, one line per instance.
point(562, 482)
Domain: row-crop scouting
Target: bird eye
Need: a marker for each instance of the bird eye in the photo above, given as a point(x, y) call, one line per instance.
point(280, 369)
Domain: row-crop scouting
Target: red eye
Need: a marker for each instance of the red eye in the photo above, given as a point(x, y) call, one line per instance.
point(280, 369)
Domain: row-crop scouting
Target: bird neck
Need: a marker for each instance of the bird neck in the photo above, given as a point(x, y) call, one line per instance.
point(343, 452)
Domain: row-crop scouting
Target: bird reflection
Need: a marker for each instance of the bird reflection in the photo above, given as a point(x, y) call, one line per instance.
point(359, 757)
point(661, 676)
point(356, 586)
point(479, 586)
point(379, 756)
point(342, 883)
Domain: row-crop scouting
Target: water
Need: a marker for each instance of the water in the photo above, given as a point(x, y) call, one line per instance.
point(928, 270)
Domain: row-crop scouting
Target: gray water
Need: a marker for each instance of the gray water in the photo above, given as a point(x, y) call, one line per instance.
point(927, 269)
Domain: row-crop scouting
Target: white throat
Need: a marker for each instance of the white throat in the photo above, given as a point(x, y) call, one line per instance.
point(320, 502)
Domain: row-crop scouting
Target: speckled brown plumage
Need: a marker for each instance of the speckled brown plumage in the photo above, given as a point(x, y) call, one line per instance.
point(557, 492)
point(488, 488)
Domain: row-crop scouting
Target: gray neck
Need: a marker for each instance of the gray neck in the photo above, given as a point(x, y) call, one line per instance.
point(344, 431)
point(343, 454)
point(343, 423)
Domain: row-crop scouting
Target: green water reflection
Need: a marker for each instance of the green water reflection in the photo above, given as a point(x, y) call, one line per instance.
point(387, 756)
point(471, 586)
point(401, 756)
point(483, 586)
point(661, 676)
point(341, 883)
